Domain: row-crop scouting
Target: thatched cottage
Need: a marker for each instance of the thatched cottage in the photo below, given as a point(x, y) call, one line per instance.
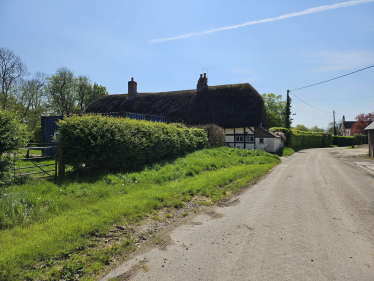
point(238, 108)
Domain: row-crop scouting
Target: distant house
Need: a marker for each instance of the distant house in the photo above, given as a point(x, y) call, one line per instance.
point(370, 130)
point(238, 108)
point(347, 127)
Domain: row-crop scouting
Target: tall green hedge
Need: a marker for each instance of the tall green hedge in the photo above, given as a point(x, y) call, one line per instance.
point(297, 138)
point(117, 143)
point(360, 139)
point(343, 140)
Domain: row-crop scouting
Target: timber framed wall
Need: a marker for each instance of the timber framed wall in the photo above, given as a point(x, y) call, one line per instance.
point(240, 137)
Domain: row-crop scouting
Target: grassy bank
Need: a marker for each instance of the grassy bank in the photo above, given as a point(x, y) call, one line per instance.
point(47, 229)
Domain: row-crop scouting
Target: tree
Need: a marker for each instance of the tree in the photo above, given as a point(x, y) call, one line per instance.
point(84, 92)
point(11, 69)
point(301, 128)
point(98, 92)
point(275, 110)
point(61, 92)
point(31, 99)
point(315, 129)
point(362, 122)
point(338, 127)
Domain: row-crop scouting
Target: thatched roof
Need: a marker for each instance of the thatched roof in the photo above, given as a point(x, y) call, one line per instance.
point(228, 106)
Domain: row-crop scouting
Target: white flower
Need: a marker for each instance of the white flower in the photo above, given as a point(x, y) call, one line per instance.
point(60, 189)
point(136, 181)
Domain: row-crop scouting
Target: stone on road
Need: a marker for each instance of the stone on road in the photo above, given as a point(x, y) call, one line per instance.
point(311, 218)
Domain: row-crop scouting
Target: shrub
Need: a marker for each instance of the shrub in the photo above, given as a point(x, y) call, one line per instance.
point(215, 134)
point(117, 143)
point(13, 134)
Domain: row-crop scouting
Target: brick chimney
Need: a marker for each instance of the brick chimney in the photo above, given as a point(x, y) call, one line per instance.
point(202, 83)
point(132, 89)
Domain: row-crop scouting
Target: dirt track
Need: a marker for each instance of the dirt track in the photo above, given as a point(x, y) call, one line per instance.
point(311, 218)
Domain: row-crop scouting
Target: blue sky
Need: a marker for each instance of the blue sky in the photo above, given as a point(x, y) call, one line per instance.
point(113, 41)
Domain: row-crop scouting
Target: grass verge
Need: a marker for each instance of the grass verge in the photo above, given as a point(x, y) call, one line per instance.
point(285, 151)
point(48, 231)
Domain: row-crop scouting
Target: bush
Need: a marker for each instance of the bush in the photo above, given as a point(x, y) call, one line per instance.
point(295, 138)
point(117, 143)
point(343, 140)
point(13, 135)
point(215, 134)
point(36, 136)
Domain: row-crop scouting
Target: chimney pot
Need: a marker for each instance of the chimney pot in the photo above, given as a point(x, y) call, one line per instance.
point(201, 76)
point(204, 75)
point(132, 78)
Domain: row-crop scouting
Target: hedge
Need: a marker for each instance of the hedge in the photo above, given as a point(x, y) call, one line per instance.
point(115, 143)
point(295, 138)
point(360, 139)
point(342, 140)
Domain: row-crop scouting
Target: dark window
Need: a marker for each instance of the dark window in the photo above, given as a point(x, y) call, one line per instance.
point(261, 141)
point(239, 138)
point(249, 138)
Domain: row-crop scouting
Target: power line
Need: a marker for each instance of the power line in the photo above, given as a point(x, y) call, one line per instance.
point(309, 104)
point(345, 99)
point(333, 78)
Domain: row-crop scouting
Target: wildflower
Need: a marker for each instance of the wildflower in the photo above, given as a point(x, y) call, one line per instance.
point(38, 198)
point(37, 246)
point(60, 189)
point(123, 184)
point(136, 181)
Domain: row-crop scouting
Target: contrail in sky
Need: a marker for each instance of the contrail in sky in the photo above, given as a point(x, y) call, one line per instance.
point(296, 14)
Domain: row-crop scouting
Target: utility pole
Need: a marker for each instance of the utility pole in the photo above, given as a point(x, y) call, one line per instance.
point(335, 132)
point(288, 109)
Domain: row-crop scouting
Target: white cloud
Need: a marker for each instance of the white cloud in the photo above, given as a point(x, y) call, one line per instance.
point(291, 15)
point(344, 60)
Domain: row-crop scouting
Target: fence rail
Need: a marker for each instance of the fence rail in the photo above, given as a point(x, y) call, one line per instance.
point(44, 168)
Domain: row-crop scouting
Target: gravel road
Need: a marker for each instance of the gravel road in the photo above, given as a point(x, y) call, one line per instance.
point(311, 218)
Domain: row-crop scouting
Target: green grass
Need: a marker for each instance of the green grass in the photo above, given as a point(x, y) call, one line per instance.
point(42, 222)
point(285, 151)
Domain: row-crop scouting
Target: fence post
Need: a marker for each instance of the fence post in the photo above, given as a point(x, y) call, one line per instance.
point(61, 164)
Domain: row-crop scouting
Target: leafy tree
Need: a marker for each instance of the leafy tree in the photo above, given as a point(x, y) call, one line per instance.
point(11, 69)
point(302, 128)
point(315, 129)
point(338, 127)
point(84, 91)
point(61, 92)
point(31, 99)
point(363, 120)
point(98, 92)
point(275, 110)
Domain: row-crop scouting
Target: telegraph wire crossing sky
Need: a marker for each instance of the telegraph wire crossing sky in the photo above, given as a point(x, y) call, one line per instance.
point(165, 45)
